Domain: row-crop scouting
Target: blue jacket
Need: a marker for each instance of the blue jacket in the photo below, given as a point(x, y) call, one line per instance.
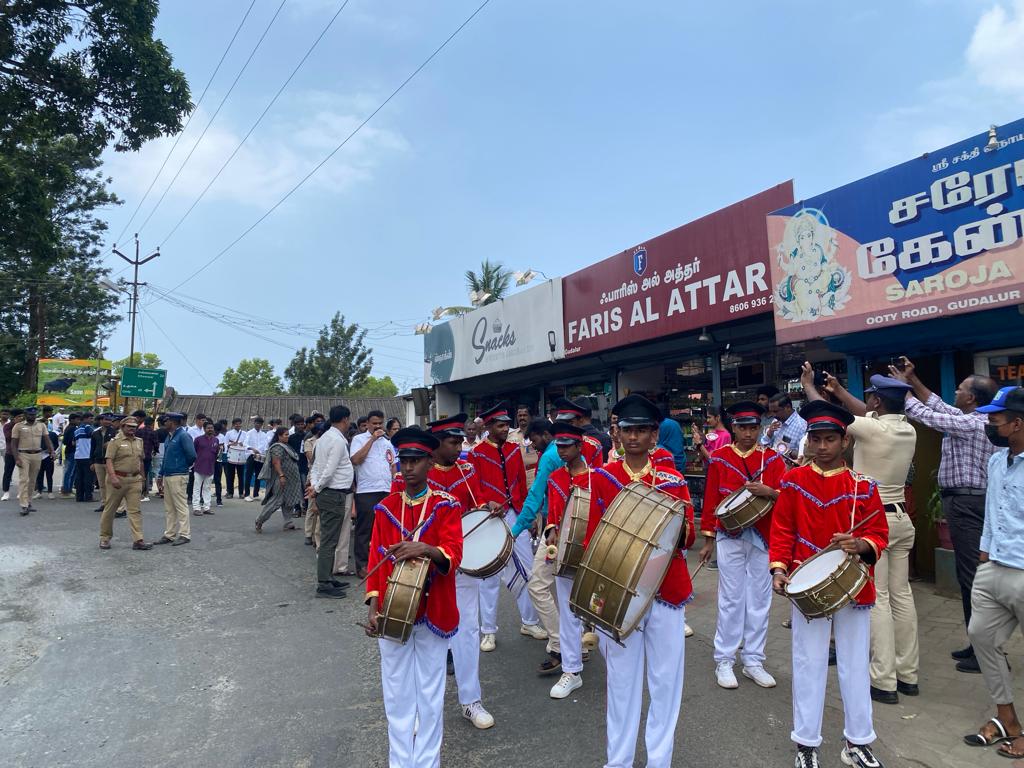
point(537, 499)
point(179, 454)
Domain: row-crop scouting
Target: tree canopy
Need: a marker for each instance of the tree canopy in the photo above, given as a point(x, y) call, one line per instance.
point(138, 360)
point(338, 363)
point(254, 377)
point(375, 387)
point(492, 278)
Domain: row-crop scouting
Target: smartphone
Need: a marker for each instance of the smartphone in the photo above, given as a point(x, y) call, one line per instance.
point(819, 379)
point(899, 363)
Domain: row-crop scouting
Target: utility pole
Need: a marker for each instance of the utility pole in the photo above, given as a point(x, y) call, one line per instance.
point(133, 307)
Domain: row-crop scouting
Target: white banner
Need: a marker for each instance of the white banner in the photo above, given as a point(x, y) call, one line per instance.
point(510, 333)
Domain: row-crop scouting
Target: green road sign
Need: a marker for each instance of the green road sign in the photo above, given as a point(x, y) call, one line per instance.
point(143, 382)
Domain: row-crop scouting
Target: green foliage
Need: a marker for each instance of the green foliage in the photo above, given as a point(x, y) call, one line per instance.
point(375, 387)
point(253, 377)
point(337, 364)
point(493, 278)
point(89, 68)
point(138, 360)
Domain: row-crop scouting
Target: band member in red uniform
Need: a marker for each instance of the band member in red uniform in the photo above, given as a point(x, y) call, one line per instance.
point(825, 503)
point(575, 474)
point(413, 674)
point(744, 582)
point(659, 639)
point(501, 478)
point(594, 449)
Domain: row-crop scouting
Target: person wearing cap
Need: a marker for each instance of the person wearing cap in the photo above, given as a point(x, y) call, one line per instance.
point(997, 595)
point(814, 510)
point(458, 479)
point(744, 582)
point(172, 482)
point(883, 449)
point(574, 473)
point(419, 522)
point(30, 441)
point(125, 473)
point(502, 479)
point(595, 445)
point(659, 642)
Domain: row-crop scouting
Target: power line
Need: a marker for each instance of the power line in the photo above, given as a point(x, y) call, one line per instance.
point(192, 114)
point(337, 149)
point(178, 349)
point(259, 119)
point(215, 113)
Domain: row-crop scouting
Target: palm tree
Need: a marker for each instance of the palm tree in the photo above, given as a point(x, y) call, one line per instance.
point(493, 279)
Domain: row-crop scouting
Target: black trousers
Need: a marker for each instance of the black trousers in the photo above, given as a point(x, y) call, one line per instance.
point(333, 507)
point(965, 516)
point(230, 472)
point(9, 464)
point(191, 482)
point(365, 502)
point(84, 480)
point(45, 472)
point(252, 476)
point(218, 471)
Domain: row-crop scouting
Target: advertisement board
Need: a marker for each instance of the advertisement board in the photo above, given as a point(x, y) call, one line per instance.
point(73, 382)
point(510, 333)
point(709, 271)
point(936, 236)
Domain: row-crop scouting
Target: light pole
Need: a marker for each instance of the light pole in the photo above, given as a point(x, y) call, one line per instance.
point(133, 309)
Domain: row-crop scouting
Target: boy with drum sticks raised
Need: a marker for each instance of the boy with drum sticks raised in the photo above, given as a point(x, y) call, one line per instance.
point(744, 582)
point(825, 505)
point(419, 522)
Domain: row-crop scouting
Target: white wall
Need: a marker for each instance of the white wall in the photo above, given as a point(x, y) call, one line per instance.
point(446, 402)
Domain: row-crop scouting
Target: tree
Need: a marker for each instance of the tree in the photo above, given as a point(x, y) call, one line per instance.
point(338, 363)
point(374, 387)
point(493, 279)
point(254, 377)
point(138, 360)
point(89, 68)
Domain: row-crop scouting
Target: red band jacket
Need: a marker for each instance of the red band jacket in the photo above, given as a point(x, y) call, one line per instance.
point(458, 479)
point(560, 482)
point(501, 474)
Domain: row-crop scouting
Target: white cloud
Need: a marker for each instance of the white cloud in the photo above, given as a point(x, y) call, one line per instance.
point(996, 52)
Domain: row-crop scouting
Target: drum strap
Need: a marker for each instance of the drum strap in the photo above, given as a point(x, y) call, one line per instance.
point(472, 496)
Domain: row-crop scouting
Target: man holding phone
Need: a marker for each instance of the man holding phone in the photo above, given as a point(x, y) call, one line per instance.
point(373, 457)
point(786, 429)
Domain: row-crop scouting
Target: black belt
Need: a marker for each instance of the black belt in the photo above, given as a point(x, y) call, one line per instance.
point(945, 492)
point(897, 507)
point(22, 450)
point(337, 490)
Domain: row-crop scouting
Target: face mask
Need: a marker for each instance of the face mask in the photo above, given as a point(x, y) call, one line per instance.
point(992, 433)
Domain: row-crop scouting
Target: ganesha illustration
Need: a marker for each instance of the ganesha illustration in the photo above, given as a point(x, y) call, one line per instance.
point(815, 285)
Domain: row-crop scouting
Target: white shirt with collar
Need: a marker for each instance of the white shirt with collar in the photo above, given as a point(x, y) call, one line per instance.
point(332, 465)
point(376, 472)
point(235, 436)
point(257, 440)
point(195, 431)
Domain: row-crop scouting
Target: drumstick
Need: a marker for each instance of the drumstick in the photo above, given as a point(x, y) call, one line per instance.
point(865, 520)
point(699, 567)
point(385, 559)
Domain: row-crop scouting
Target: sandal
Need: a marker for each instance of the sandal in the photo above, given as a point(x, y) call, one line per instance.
point(1007, 749)
point(980, 740)
point(259, 527)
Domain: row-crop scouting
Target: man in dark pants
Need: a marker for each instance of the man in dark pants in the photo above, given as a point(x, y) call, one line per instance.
point(330, 483)
point(17, 416)
point(963, 473)
point(373, 457)
point(235, 439)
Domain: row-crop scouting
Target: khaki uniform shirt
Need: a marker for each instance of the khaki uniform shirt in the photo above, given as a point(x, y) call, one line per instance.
point(883, 451)
point(29, 436)
point(125, 453)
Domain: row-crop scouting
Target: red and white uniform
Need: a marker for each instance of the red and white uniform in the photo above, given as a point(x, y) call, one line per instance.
point(592, 451)
point(658, 644)
point(814, 505)
point(413, 674)
point(661, 458)
point(458, 479)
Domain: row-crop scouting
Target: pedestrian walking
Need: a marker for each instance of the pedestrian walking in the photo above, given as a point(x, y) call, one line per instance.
point(330, 484)
point(281, 474)
point(179, 455)
point(126, 476)
point(207, 449)
point(30, 441)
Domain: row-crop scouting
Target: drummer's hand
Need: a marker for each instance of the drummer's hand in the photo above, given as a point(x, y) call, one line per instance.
point(407, 550)
point(707, 550)
point(849, 543)
point(760, 489)
point(497, 510)
point(779, 582)
point(371, 619)
point(552, 537)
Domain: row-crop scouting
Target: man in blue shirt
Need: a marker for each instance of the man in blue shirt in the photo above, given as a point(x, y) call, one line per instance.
point(997, 596)
point(542, 577)
point(172, 482)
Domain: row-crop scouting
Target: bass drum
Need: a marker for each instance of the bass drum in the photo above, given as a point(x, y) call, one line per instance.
point(486, 544)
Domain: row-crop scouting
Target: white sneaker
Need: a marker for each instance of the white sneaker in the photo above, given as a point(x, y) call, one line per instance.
point(36, 495)
point(144, 498)
point(688, 632)
point(487, 643)
point(567, 683)
point(724, 673)
point(49, 496)
point(536, 631)
point(6, 496)
point(759, 675)
point(478, 716)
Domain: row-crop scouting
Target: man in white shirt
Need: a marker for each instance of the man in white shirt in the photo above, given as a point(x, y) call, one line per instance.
point(374, 458)
point(257, 441)
point(198, 426)
point(234, 438)
point(330, 483)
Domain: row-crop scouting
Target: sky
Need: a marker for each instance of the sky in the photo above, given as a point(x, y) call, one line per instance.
point(544, 135)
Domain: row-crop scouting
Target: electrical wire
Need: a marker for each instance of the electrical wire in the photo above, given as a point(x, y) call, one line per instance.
point(334, 151)
point(186, 358)
point(259, 119)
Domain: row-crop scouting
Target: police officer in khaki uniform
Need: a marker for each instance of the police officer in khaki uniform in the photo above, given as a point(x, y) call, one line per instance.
point(30, 440)
point(125, 474)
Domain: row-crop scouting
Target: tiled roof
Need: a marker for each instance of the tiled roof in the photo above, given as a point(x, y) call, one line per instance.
point(245, 408)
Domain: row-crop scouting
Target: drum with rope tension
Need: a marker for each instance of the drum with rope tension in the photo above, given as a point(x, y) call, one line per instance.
point(402, 598)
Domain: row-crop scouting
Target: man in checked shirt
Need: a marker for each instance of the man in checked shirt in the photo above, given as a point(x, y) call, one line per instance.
point(963, 472)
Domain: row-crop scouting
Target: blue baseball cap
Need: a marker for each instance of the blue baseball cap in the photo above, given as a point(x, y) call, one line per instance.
point(1006, 399)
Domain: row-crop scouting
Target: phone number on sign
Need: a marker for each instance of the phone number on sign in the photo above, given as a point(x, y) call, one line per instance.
point(743, 306)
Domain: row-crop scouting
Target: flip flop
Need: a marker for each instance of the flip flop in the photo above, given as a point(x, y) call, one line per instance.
point(1007, 749)
point(978, 739)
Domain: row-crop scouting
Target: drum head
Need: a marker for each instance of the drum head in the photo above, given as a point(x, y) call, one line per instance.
point(653, 573)
point(735, 501)
point(815, 570)
point(484, 545)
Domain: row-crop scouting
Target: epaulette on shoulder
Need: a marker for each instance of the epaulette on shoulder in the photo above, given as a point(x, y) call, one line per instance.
point(661, 474)
point(444, 496)
point(465, 466)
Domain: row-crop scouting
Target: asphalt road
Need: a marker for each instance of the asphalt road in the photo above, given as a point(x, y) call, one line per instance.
point(217, 654)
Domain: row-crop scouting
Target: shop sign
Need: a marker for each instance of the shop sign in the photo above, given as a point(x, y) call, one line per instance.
point(511, 333)
point(709, 271)
point(940, 235)
point(73, 383)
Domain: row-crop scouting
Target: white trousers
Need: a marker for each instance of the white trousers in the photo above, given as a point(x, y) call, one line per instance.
point(542, 595)
point(466, 643)
point(489, 591)
point(810, 657)
point(570, 628)
point(201, 485)
point(659, 640)
point(413, 677)
point(744, 598)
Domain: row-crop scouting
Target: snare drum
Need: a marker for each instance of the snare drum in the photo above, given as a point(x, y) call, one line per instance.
point(826, 582)
point(237, 454)
point(627, 559)
point(572, 531)
point(487, 548)
point(741, 509)
point(402, 599)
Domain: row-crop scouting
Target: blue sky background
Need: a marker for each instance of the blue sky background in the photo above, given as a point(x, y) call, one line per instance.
point(546, 135)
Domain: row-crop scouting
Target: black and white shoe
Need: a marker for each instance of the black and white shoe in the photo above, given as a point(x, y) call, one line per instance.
point(806, 757)
point(859, 756)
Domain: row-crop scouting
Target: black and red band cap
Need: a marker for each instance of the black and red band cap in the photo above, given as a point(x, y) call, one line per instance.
point(497, 415)
point(444, 426)
point(747, 415)
point(415, 447)
point(830, 419)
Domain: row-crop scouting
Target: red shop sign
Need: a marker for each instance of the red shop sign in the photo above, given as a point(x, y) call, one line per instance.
point(709, 271)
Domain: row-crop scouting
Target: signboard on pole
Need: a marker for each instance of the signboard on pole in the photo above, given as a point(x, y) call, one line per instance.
point(940, 235)
point(73, 382)
point(143, 382)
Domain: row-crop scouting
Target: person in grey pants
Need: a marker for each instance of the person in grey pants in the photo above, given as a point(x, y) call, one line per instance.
point(330, 483)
